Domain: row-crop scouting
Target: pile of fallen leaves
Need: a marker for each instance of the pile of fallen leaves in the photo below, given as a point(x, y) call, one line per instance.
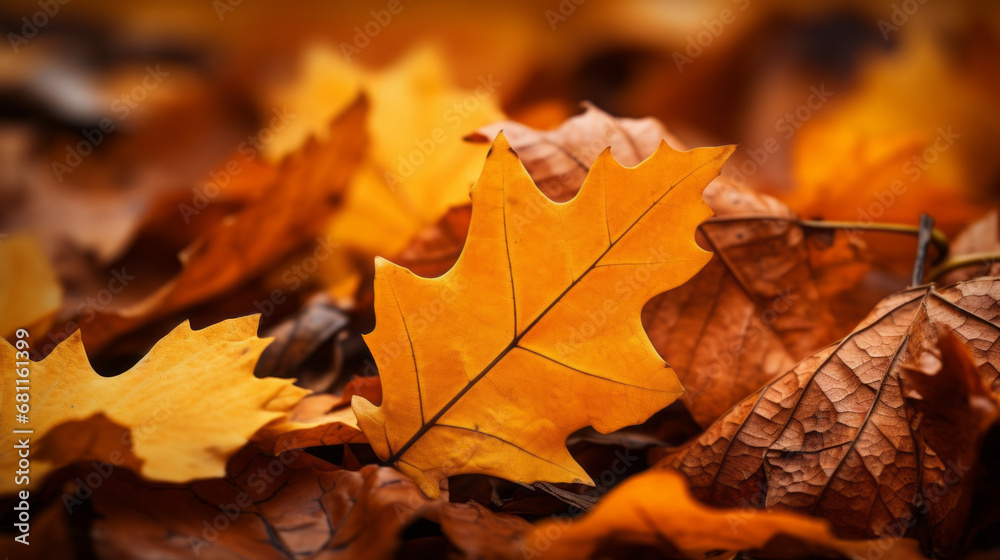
point(428, 328)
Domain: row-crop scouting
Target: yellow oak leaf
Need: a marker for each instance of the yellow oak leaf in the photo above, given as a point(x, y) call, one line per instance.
point(182, 410)
point(30, 293)
point(535, 332)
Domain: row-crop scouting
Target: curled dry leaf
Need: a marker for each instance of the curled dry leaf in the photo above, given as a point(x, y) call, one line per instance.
point(478, 532)
point(30, 293)
point(299, 337)
point(293, 212)
point(952, 409)
point(320, 420)
point(461, 356)
point(654, 512)
point(558, 160)
point(182, 411)
point(771, 294)
point(979, 246)
point(842, 437)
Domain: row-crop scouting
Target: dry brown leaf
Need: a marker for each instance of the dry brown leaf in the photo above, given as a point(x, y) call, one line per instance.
point(558, 160)
point(952, 408)
point(291, 213)
point(655, 513)
point(978, 239)
point(266, 509)
point(766, 300)
point(460, 356)
point(838, 437)
point(301, 336)
point(315, 421)
point(478, 532)
point(320, 420)
point(182, 411)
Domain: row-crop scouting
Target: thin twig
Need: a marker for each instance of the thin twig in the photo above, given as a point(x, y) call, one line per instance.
point(938, 238)
point(923, 240)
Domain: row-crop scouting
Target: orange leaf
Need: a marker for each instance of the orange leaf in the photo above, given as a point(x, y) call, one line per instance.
point(542, 291)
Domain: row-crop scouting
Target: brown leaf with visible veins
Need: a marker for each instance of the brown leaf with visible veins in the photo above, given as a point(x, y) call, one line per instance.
point(765, 301)
point(558, 160)
point(953, 408)
point(771, 295)
point(266, 508)
point(840, 437)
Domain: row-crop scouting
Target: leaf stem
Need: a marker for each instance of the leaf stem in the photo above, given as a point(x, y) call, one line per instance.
point(962, 261)
point(938, 238)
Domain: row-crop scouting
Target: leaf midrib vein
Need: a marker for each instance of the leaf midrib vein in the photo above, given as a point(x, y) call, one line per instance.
point(425, 427)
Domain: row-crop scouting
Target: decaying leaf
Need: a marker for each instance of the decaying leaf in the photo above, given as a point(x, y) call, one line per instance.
point(655, 513)
point(292, 212)
point(299, 337)
point(951, 409)
point(318, 420)
point(979, 244)
point(266, 507)
point(770, 296)
point(535, 332)
point(182, 411)
point(558, 160)
point(30, 293)
point(841, 437)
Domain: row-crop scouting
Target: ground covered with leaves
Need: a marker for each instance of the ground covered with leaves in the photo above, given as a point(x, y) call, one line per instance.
point(580, 280)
